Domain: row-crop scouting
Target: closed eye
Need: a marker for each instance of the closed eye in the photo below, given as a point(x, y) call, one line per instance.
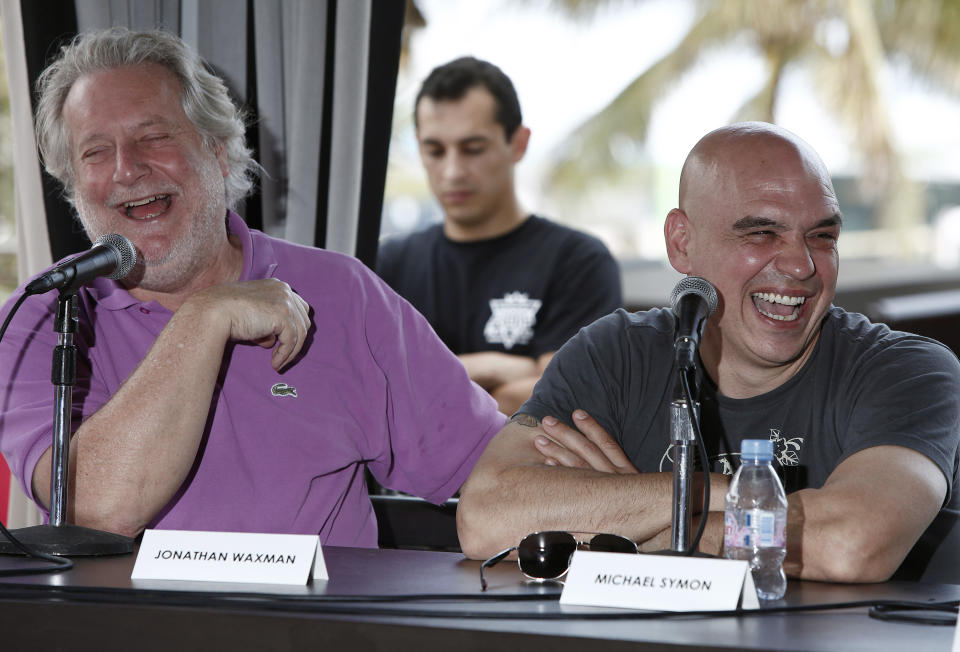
point(93, 154)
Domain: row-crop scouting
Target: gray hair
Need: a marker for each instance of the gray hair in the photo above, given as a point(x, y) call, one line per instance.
point(204, 98)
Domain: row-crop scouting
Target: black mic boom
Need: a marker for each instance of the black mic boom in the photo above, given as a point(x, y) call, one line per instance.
point(693, 301)
point(111, 255)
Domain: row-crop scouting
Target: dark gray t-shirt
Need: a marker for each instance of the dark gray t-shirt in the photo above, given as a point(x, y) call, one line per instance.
point(864, 386)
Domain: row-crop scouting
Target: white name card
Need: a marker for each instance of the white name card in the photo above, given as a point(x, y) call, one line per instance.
point(658, 582)
point(229, 557)
point(956, 636)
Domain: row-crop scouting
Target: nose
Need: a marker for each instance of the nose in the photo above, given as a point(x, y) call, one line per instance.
point(130, 166)
point(452, 167)
point(795, 261)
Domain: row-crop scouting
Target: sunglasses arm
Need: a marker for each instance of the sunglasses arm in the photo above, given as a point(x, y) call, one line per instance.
point(496, 559)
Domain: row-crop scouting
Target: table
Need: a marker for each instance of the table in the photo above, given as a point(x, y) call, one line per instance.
point(96, 606)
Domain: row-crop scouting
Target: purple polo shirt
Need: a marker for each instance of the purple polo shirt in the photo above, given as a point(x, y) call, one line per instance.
point(283, 452)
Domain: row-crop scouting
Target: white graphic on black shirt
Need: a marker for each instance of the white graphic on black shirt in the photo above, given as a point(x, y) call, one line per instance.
point(511, 319)
point(721, 463)
point(786, 451)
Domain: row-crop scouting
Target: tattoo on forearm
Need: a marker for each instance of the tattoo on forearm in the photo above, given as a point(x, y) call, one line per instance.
point(527, 420)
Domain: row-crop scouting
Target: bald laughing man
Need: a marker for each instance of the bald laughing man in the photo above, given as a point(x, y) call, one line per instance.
point(864, 420)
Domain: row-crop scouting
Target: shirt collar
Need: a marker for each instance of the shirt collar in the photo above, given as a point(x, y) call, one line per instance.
point(259, 261)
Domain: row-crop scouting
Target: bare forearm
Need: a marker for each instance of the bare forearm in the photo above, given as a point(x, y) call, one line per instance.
point(510, 396)
point(130, 457)
point(862, 523)
point(540, 476)
point(528, 499)
point(495, 515)
point(711, 542)
point(491, 369)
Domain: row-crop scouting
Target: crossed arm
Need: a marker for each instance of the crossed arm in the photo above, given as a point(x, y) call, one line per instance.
point(508, 378)
point(544, 475)
point(129, 458)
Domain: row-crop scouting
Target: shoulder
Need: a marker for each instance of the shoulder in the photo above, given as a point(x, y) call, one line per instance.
point(395, 245)
point(313, 270)
point(567, 236)
point(854, 337)
point(646, 328)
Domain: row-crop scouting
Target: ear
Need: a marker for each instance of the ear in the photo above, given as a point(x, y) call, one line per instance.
point(677, 232)
point(518, 143)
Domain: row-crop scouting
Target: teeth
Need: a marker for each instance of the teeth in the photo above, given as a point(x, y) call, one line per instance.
point(134, 204)
point(790, 317)
point(779, 298)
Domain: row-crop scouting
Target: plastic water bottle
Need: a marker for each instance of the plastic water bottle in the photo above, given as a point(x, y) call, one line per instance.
point(755, 521)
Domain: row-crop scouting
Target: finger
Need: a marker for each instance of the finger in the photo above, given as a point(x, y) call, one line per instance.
point(578, 444)
point(294, 332)
point(266, 342)
point(593, 431)
point(289, 342)
point(557, 455)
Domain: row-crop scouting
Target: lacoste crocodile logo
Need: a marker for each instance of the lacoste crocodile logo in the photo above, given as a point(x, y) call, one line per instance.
point(283, 389)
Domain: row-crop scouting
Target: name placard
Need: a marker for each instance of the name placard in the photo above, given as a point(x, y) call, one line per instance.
point(956, 636)
point(229, 557)
point(658, 582)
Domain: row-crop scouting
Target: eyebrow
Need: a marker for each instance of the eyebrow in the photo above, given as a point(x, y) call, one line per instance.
point(753, 222)
point(151, 121)
point(469, 140)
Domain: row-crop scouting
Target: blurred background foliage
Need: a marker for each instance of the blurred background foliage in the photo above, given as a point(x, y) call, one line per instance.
point(601, 177)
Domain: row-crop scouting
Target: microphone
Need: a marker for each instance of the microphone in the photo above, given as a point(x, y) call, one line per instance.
point(693, 301)
point(111, 255)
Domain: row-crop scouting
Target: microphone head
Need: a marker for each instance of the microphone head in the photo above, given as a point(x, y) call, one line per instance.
point(694, 285)
point(123, 248)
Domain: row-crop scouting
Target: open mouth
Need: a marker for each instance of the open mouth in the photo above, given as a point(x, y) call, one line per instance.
point(148, 207)
point(778, 306)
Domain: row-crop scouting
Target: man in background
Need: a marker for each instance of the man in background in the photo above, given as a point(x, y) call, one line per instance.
point(503, 288)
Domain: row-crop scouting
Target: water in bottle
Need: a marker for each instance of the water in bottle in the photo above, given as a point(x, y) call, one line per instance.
point(756, 519)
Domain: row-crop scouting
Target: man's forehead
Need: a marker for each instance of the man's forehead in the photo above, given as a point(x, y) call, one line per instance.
point(472, 114)
point(129, 97)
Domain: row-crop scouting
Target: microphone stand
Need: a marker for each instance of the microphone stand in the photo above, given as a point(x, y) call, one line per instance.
point(684, 448)
point(683, 451)
point(59, 537)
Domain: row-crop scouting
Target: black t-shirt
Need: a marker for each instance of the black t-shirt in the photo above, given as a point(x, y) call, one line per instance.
point(525, 293)
point(863, 386)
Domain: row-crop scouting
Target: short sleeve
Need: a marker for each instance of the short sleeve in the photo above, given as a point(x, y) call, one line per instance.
point(438, 421)
point(585, 289)
point(585, 374)
point(907, 394)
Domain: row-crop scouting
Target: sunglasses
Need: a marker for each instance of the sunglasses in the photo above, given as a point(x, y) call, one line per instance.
point(547, 555)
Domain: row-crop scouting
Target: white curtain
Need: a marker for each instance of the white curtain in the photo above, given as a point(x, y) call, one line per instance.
point(33, 246)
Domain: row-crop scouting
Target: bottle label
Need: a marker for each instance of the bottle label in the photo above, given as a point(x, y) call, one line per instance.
point(759, 529)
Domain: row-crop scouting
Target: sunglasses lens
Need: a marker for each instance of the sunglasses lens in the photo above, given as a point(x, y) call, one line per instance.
point(546, 555)
point(612, 543)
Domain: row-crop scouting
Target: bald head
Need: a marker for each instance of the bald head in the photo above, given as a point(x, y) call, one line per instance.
point(744, 155)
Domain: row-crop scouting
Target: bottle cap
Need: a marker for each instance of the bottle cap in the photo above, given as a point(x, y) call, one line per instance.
point(756, 449)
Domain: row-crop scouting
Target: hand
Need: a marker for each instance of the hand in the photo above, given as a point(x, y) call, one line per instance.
point(266, 312)
point(589, 448)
